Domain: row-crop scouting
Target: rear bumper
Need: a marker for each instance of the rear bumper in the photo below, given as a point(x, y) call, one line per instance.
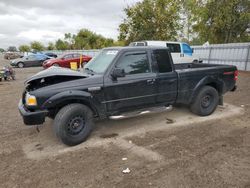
point(32, 118)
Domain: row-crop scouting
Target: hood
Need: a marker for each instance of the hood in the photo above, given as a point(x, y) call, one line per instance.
point(56, 72)
point(52, 76)
point(17, 59)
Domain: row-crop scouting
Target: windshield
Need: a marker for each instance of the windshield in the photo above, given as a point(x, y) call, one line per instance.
point(100, 63)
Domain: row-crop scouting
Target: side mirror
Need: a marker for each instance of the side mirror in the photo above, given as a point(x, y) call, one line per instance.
point(117, 73)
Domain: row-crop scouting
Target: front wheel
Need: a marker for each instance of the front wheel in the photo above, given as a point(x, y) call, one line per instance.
point(20, 65)
point(205, 102)
point(73, 124)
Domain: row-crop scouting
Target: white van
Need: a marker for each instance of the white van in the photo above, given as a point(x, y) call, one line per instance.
point(181, 52)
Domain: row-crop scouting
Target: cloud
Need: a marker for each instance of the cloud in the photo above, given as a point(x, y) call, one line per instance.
point(24, 21)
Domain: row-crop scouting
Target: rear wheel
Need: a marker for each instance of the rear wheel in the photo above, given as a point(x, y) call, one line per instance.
point(205, 102)
point(20, 65)
point(73, 124)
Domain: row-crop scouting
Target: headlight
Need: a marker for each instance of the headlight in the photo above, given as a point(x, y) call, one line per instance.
point(30, 100)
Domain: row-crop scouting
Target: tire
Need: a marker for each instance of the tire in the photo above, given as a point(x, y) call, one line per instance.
point(73, 124)
point(195, 61)
point(205, 102)
point(20, 65)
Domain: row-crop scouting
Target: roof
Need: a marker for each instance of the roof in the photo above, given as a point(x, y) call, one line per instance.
point(135, 47)
point(159, 41)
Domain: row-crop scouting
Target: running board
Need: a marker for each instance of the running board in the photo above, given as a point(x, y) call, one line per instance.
point(142, 112)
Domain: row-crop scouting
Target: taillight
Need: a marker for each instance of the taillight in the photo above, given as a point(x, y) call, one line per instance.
point(236, 73)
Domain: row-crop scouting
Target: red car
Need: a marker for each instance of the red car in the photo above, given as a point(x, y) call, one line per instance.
point(65, 60)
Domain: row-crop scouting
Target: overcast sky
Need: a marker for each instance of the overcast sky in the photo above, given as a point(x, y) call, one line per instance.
point(47, 20)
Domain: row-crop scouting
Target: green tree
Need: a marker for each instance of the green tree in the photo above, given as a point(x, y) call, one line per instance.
point(24, 48)
point(37, 46)
point(69, 38)
point(188, 10)
point(51, 46)
point(119, 43)
point(220, 21)
point(2, 50)
point(61, 45)
point(151, 20)
point(86, 39)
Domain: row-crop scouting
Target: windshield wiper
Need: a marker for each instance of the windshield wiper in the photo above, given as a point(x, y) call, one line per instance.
point(89, 70)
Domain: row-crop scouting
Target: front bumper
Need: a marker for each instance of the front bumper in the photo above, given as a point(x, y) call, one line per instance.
point(32, 118)
point(13, 64)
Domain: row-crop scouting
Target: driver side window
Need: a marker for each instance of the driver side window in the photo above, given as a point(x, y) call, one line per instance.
point(134, 63)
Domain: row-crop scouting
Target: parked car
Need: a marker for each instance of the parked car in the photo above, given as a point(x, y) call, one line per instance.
point(50, 54)
point(32, 60)
point(65, 60)
point(12, 55)
point(121, 80)
point(181, 52)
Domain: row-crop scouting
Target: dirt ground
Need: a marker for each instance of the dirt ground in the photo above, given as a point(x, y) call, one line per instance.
point(206, 154)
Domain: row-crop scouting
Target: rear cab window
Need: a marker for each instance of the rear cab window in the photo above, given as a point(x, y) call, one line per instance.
point(163, 60)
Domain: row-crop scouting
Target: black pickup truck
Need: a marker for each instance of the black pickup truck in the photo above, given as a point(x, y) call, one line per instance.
point(120, 80)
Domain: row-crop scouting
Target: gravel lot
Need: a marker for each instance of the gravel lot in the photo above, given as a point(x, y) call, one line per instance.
point(207, 154)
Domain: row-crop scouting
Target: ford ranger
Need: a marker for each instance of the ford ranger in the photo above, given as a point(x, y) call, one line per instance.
point(121, 80)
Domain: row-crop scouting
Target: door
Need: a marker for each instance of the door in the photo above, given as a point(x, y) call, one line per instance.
point(30, 61)
point(76, 58)
point(166, 80)
point(66, 61)
point(135, 90)
point(188, 53)
point(39, 60)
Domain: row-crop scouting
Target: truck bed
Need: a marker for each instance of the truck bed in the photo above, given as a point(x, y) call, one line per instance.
point(191, 75)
